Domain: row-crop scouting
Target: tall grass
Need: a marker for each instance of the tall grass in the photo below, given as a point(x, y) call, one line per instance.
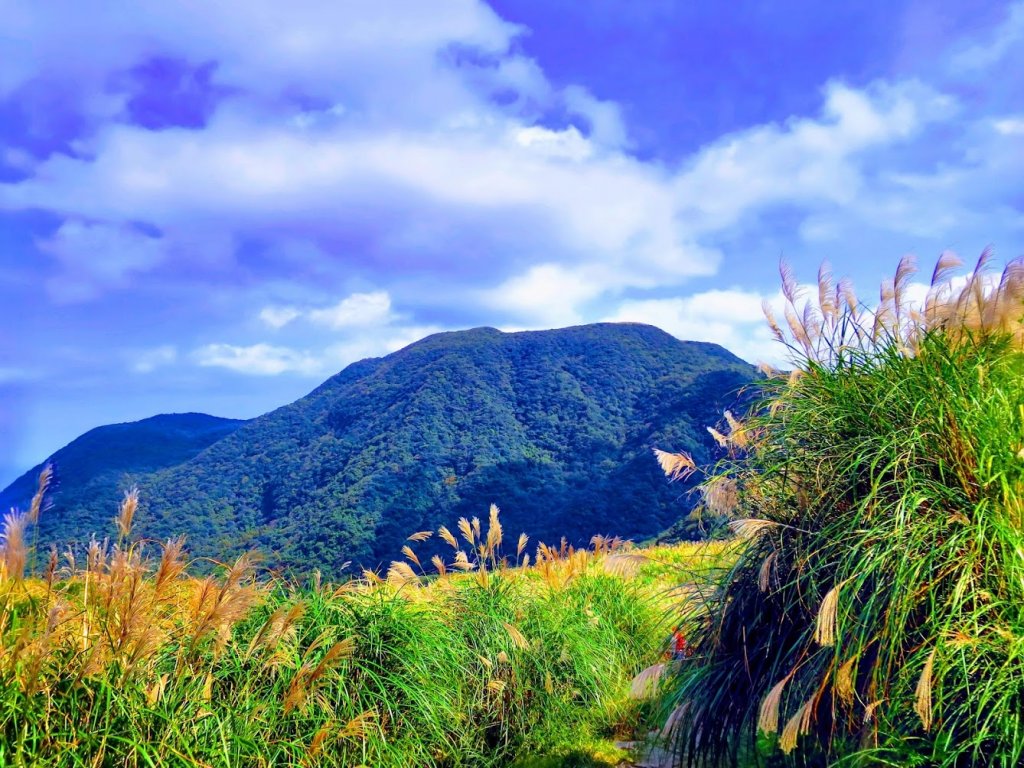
point(876, 613)
point(120, 658)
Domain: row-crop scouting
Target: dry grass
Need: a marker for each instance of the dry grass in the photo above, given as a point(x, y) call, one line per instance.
point(982, 303)
point(120, 612)
point(555, 566)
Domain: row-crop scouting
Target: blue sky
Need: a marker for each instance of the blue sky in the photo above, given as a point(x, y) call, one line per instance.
point(215, 206)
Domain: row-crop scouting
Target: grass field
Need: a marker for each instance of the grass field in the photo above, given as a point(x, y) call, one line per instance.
point(479, 659)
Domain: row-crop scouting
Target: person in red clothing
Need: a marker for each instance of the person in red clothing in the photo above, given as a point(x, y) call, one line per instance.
point(680, 649)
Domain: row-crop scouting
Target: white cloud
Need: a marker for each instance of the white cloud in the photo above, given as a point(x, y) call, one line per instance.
point(406, 172)
point(568, 144)
point(359, 309)
point(359, 326)
point(380, 53)
point(605, 117)
point(806, 161)
point(548, 295)
point(312, 117)
point(812, 162)
point(258, 359)
point(397, 136)
point(149, 360)
point(264, 359)
point(403, 155)
point(236, 176)
point(279, 317)
point(818, 164)
point(1009, 126)
point(732, 318)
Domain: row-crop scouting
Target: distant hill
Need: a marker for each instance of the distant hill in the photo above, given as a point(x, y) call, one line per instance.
point(92, 472)
point(556, 427)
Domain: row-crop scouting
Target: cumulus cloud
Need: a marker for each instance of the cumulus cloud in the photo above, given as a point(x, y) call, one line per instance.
point(305, 42)
point(240, 177)
point(604, 117)
point(348, 149)
point(262, 359)
point(359, 309)
point(1009, 126)
point(363, 324)
point(569, 143)
point(547, 295)
point(346, 127)
point(610, 222)
point(808, 161)
point(257, 359)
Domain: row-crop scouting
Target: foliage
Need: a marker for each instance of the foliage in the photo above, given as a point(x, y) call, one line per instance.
point(557, 424)
point(122, 661)
point(92, 471)
point(875, 613)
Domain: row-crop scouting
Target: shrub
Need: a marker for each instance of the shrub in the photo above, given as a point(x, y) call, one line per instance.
point(875, 614)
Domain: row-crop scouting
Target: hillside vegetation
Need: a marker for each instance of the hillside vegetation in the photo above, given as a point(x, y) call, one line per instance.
point(122, 659)
point(558, 425)
point(92, 472)
point(876, 615)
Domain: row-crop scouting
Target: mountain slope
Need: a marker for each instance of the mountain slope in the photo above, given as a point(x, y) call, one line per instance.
point(556, 427)
point(92, 471)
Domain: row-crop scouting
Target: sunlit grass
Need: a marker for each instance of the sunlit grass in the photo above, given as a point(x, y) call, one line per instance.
point(120, 658)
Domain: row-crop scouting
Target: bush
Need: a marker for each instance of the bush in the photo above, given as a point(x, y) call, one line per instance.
point(875, 614)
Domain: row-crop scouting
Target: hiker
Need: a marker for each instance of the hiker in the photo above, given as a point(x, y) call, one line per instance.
point(680, 649)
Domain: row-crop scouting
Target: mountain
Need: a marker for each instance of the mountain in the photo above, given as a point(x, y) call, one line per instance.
point(556, 427)
point(92, 471)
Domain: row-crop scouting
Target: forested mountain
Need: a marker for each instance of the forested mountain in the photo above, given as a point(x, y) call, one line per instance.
point(556, 427)
point(92, 471)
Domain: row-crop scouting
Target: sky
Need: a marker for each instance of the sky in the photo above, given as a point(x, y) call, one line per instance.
point(215, 206)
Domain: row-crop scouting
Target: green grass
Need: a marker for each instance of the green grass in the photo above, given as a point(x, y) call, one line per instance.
point(874, 616)
point(114, 664)
point(600, 754)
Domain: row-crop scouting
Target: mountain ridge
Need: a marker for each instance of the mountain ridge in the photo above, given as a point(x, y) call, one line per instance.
point(554, 426)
